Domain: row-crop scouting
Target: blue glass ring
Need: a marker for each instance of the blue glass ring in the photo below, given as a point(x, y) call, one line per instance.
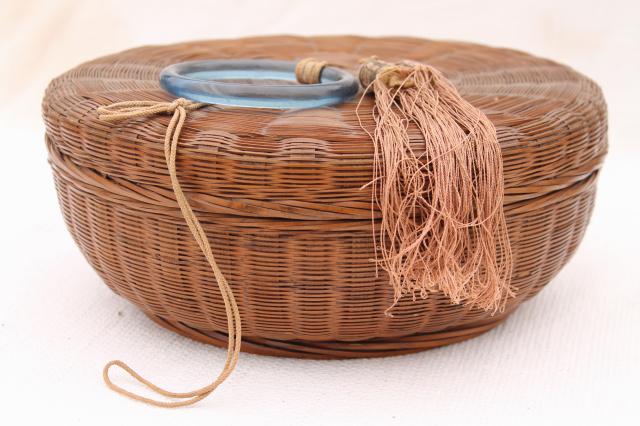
point(257, 83)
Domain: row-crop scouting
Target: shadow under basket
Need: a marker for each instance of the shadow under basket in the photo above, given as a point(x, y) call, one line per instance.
point(282, 194)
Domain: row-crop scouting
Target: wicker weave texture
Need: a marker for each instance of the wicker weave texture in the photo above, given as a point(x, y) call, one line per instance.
point(280, 194)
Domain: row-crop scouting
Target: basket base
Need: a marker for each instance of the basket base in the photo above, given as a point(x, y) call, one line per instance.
point(334, 349)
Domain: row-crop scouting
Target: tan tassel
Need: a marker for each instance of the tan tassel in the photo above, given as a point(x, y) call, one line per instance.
point(443, 227)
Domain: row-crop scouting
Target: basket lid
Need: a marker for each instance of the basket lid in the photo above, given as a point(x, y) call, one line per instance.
point(316, 163)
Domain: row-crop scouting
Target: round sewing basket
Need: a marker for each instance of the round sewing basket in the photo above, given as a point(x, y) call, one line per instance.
point(283, 195)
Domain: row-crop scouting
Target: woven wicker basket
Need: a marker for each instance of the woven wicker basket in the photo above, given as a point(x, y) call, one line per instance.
point(279, 194)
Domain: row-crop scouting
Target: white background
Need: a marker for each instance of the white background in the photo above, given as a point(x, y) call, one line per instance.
point(571, 355)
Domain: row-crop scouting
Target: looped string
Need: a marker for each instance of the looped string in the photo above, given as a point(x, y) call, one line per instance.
point(179, 107)
point(309, 70)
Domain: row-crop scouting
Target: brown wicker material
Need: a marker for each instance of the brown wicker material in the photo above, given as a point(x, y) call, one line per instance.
point(279, 194)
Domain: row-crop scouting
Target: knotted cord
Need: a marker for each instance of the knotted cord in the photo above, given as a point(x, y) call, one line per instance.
point(138, 109)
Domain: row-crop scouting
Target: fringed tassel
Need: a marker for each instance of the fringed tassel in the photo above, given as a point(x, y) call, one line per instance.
point(443, 227)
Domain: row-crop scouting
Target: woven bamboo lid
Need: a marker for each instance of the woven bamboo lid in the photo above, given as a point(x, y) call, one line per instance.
point(551, 124)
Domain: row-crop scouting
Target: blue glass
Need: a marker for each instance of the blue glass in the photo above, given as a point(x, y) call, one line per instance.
point(257, 83)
